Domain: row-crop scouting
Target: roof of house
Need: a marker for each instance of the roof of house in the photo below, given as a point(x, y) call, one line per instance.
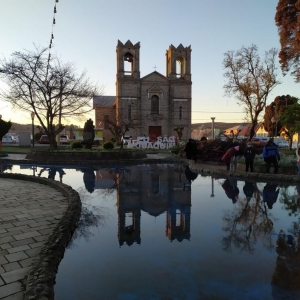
point(245, 131)
point(238, 127)
point(104, 101)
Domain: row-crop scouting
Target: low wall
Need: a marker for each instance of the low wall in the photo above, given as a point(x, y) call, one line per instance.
point(72, 156)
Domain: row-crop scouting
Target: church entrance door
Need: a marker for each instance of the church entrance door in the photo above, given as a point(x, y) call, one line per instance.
point(154, 132)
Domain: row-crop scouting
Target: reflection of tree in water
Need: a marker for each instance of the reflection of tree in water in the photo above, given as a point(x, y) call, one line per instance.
point(122, 178)
point(291, 203)
point(286, 276)
point(248, 221)
point(91, 217)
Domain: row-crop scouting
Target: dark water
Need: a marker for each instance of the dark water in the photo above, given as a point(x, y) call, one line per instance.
point(162, 232)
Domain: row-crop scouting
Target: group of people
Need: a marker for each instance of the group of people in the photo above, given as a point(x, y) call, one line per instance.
point(270, 154)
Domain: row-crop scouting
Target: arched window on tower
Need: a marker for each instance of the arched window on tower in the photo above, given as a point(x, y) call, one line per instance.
point(129, 112)
point(179, 67)
point(154, 104)
point(128, 64)
point(180, 112)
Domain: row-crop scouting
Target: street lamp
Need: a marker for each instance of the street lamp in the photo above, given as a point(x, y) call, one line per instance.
point(273, 126)
point(213, 127)
point(32, 129)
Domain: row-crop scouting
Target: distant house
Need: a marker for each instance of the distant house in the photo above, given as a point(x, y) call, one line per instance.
point(296, 136)
point(243, 131)
point(234, 131)
point(261, 131)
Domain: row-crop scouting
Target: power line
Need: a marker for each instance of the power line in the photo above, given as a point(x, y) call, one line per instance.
point(219, 112)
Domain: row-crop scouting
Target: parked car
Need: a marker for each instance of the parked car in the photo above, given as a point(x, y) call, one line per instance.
point(259, 141)
point(14, 135)
point(44, 139)
point(125, 139)
point(8, 139)
point(64, 139)
point(283, 144)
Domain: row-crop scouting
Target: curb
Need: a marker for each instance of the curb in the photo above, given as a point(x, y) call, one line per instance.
point(41, 278)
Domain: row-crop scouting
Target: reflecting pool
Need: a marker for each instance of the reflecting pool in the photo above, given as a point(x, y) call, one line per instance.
point(160, 231)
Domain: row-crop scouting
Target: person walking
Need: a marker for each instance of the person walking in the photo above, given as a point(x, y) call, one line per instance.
point(249, 154)
point(230, 158)
point(271, 155)
point(298, 158)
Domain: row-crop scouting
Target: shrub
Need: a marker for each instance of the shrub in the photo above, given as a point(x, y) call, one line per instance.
point(177, 148)
point(108, 145)
point(76, 145)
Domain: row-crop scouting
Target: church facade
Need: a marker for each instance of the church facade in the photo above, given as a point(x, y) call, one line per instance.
point(153, 105)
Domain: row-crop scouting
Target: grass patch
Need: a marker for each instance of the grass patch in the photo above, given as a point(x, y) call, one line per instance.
point(17, 149)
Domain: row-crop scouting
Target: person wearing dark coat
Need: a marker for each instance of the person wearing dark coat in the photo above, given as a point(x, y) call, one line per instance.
point(249, 154)
point(191, 149)
point(271, 155)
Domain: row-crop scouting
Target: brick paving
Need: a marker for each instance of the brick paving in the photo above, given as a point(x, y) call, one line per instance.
point(29, 212)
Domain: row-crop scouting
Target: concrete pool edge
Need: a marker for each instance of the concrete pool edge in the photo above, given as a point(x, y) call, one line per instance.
point(218, 170)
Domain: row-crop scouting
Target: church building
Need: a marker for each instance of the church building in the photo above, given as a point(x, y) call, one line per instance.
point(153, 105)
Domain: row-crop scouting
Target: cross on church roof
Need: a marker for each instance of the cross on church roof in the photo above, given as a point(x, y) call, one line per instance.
point(155, 67)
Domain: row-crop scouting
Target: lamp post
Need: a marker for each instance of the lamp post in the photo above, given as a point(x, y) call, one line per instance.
point(274, 123)
point(273, 127)
point(213, 127)
point(32, 129)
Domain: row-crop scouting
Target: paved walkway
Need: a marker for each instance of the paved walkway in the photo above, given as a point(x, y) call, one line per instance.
point(29, 211)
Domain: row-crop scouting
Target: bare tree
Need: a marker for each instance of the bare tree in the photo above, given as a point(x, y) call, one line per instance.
point(250, 79)
point(122, 124)
point(51, 89)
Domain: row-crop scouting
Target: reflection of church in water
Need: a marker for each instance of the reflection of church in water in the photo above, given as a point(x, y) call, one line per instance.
point(154, 189)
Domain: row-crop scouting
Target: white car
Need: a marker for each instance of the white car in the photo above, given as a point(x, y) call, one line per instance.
point(283, 144)
point(14, 135)
point(64, 139)
point(125, 139)
point(8, 139)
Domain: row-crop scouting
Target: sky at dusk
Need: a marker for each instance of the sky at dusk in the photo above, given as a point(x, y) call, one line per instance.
point(87, 32)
